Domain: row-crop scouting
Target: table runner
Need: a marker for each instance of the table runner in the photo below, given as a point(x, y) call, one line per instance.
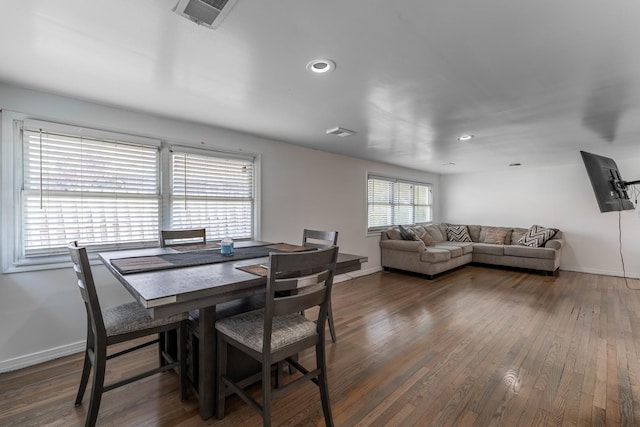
point(195, 258)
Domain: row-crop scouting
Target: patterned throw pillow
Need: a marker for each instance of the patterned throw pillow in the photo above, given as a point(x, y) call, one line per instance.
point(537, 236)
point(458, 233)
point(405, 233)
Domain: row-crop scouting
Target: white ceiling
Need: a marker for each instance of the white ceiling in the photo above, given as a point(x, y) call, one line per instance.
point(535, 81)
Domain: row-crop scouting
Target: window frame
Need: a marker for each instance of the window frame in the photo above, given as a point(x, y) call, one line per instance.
point(11, 184)
point(396, 180)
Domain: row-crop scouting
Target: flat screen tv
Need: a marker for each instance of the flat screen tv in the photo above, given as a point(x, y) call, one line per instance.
point(609, 187)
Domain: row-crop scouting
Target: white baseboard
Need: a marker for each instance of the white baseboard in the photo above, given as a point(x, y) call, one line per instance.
point(41, 356)
point(601, 272)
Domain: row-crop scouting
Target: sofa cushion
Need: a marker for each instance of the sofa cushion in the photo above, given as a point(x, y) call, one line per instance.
point(423, 235)
point(435, 233)
point(494, 235)
point(529, 252)
point(537, 236)
point(434, 254)
point(467, 247)
point(443, 230)
point(488, 249)
point(474, 232)
point(516, 234)
point(458, 233)
point(455, 251)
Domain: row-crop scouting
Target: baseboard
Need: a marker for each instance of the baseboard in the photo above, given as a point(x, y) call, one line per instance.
point(601, 272)
point(41, 356)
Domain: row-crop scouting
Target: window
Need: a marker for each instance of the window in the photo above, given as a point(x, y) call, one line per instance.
point(102, 192)
point(212, 191)
point(114, 191)
point(393, 201)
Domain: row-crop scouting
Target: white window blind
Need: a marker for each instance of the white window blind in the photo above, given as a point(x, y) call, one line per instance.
point(212, 191)
point(101, 192)
point(392, 201)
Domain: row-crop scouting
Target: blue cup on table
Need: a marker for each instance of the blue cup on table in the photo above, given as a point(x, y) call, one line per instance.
point(226, 247)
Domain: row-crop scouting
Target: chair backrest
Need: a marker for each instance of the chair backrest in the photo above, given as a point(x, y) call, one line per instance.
point(183, 237)
point(87, 287)
point(319, 238)
point(298, 281)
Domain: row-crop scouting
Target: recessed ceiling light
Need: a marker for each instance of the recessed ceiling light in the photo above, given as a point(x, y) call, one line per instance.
point(448, 164)
point(338, 131)
point(466, 137)
point(515, 164)
point(320, 66)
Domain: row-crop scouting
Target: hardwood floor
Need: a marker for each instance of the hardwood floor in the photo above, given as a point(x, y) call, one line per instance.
point(475, 347)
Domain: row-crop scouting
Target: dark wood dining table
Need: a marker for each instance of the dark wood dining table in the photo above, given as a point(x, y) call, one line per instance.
point(168, 291)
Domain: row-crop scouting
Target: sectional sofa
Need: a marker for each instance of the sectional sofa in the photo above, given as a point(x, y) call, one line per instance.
point(431, 249)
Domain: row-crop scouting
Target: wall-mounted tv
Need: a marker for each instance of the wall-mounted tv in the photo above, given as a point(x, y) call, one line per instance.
point(609, 187)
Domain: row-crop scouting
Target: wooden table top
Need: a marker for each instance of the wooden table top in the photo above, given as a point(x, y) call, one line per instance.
point(176, 290)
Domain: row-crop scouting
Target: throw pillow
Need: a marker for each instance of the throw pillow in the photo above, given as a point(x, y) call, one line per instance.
point(405, 233)
point(394, 234)
point(495, 236)
point(537, 236)
point(458, 233)
point(425, 237)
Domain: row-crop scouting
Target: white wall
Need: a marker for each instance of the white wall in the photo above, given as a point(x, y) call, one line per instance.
point(41, 314)
point(559, 197)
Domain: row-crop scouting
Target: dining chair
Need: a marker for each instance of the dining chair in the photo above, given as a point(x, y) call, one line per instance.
point(295, 282)
point(183, 237)
point(119, 324)
point(322, 239)
point(172, 238)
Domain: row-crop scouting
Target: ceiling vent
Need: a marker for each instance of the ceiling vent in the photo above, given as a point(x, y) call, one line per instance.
point(340, 132)
point(209, 13)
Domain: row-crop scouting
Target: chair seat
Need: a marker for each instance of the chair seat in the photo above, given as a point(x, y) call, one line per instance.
point(248, 329)
point(131, 317)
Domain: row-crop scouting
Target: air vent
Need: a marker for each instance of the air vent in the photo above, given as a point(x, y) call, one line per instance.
point(209, 13)
point(340, 132)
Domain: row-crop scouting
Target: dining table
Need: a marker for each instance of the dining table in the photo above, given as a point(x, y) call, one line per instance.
point(175, 280)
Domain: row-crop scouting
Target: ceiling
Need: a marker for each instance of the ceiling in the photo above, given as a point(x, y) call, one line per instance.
point(534, 81)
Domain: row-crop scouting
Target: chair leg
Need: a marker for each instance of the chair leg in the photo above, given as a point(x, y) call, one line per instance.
point(86, 370)
point(332, 328)
point(100, 364)
point(182, 354)
point(324, 386)
point(222, 371)
point(266, 394)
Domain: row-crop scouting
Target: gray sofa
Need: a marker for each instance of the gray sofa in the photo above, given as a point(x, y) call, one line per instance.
point(429, 249)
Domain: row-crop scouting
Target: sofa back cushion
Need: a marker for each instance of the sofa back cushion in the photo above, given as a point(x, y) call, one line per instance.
point(474, 232)
point(516, 234)
point(435, 232)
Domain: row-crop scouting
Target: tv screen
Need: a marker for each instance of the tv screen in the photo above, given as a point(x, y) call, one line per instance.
point(609, 187)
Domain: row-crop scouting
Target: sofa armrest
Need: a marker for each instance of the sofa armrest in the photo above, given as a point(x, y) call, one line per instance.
point(403, 245)
point(554, 244)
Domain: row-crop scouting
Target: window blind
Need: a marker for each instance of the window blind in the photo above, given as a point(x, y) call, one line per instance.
point(212, 191)
point(392, 201)
point(104, 193)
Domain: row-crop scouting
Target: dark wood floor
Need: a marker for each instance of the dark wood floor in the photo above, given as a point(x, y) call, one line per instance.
point(476, 347)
